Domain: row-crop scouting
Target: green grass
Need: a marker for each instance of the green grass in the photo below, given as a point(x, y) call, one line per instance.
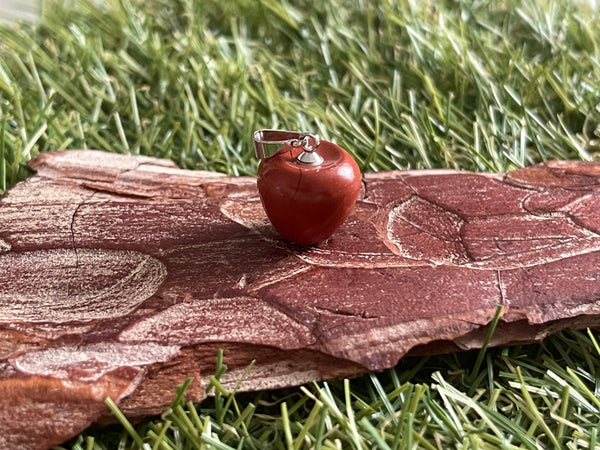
point(477, 85)
point(532, 397)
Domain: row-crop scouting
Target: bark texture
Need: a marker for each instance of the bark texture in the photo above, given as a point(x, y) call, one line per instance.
point(121, 276)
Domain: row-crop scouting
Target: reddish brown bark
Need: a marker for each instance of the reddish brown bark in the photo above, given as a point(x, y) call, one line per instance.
point(122, 276)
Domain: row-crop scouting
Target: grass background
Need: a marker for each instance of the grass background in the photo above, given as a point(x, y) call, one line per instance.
point(479, 85)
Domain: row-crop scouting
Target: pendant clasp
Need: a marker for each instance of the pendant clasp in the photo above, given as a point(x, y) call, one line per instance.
point(308, 140)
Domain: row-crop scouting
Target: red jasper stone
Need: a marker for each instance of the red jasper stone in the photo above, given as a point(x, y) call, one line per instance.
point(308, 203)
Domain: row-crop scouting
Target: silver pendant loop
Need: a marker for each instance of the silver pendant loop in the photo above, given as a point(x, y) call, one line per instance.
point(308, 140)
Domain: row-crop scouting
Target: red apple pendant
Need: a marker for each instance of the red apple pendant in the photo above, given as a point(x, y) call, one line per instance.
point(308, 188)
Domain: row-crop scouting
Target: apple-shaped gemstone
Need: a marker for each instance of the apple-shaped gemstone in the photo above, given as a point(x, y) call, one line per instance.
point(308, 203)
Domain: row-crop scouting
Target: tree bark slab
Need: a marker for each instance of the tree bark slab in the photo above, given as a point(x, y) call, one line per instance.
point(121, 276)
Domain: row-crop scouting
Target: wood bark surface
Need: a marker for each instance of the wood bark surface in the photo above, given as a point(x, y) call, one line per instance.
point(121, 276)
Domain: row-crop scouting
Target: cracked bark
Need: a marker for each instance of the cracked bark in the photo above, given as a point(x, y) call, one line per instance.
point(171, 265)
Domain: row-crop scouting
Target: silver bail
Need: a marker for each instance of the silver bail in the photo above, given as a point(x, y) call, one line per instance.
point(307, 140)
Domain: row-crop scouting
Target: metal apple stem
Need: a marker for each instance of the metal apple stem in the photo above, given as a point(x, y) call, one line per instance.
point(308, 140)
